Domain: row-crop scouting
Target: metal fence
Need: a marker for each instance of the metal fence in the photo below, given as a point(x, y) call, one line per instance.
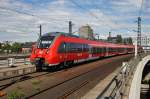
point(10, 61)
point(116, 88)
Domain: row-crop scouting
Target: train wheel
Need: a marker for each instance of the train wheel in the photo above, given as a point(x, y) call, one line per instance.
point(71, 63)
point(66, 64)
point(61, 65)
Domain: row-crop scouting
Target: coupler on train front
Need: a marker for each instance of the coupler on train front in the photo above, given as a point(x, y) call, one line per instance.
point(39, 63)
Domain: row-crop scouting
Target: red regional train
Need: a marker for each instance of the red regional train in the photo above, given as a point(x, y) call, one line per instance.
point(57, 48)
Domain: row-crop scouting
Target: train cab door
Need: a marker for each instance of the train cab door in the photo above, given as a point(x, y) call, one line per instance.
point(63, 55)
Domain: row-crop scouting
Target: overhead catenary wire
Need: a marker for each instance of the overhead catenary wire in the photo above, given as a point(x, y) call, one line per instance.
point(42, 20)
point(91, 13)
point(32, 15)
point(95, 16)
point(139, 23)
point(141, 8)
point(53, 20)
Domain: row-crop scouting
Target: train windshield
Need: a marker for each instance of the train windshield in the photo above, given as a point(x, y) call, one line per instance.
point(45, 41)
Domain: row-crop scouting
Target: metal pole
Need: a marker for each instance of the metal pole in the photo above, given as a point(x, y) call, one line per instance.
point(136, 49)
point(40, 30)
point(70, 27)
point(139, 32)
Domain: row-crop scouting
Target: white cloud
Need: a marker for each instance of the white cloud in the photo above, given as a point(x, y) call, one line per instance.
point(61, 2)
point(56, 15)
point(136, 3)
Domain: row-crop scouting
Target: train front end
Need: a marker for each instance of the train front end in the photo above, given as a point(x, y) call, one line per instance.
point(41, 50)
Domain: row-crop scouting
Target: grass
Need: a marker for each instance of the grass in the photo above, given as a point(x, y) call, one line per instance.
point(17, 94)
point(35, 84)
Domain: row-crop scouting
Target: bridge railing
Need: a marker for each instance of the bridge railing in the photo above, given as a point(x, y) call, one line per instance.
point(118, 85)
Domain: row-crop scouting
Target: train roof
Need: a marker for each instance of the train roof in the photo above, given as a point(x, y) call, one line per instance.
point(59, 33)
point(90, 42)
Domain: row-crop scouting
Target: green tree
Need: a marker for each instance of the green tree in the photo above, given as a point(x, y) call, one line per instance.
point(6, 47)
point(130, 40)
point(119, 39)
point(16, 47)
point(125, 41)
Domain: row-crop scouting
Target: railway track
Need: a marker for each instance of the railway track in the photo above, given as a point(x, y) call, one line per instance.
point(4, 83)
point(7, 82)
point(67, 92)
point(60, 83)
point(52, 86)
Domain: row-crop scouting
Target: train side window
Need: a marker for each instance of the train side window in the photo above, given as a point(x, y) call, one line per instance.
point(67, 47)
point(98, 50)
point(79, 47)
point(84, 48)
point(72, 47)
point(94, 50)
point(91, 50)
point(112, 49)
point(104, 49)
point(108, 49)
point(87, 47)
point(101, 50)
point(62, 47)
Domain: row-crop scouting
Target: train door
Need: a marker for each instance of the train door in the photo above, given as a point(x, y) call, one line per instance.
point(65, 52)
point(90, 52)
point(107, 51)
point(63, 56)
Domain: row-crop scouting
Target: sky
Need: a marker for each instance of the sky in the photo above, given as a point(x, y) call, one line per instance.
point(20, 19)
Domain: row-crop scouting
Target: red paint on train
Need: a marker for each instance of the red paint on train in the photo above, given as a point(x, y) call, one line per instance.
point(61, 48)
